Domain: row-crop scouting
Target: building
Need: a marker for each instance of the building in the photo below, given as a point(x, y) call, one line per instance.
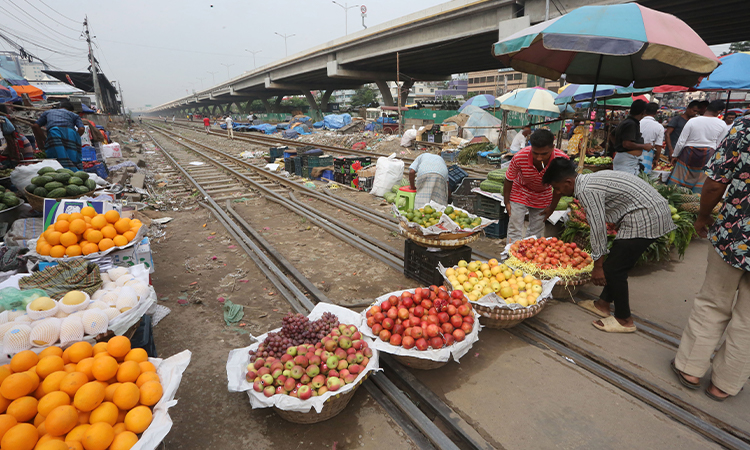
point(498, 82)
point(456, 88)
point(31, 71)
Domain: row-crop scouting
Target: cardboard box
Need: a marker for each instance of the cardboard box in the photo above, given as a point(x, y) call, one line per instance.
point(53, 208)
point(138, 254)
point(111, 150)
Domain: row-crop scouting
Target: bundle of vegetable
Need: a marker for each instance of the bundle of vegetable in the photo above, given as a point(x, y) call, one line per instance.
point(549, 258)
point(4, 173)
point(468, 154)
point(597, 160)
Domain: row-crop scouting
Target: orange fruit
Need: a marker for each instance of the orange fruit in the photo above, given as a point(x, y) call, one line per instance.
point(87, 219)
point(89, 248)
point(104, 368)
point(83, 242)
point(124, 441)
point(43, 249)
point(62, 226)
point(4, 372)
point(109, 232)
point(89, 396)
point(70, 367)
point(112, 216)
point(61, 420)
point(121, 417)
point(4, 402)
point(151, 393)
point(145, 377)
point(76, 434)
point(138, 419)
point(63, 216)
point(75, 216)
point(49, 351)
point(23, 361)
point(53, 238)
point(75, 446)
point(118, 346)
point(98, 436)
point(39, 419)
point(122, 225)
point(109, 391)
point(83, 417)
point(88, 211)
point(98, 222)
point(128, 371)
point(120, 240)
point(106, 412)
point(73, 382)
point(52, 444)
point(51, 401)
point(20, 437)
point(106, 244)
point(52, 381)
point(146, 366)
point(23, 409)
point(127, 395)
point(100, 347)
point(138, 355)
point(48, 365)
point(80, 351)
point(78, 226)
point(57, 251)
point(17, 385)
point(94, 236)
point(6, 423)
point(46, 437)
point(73, 250)
point(120, 426)
point(35, 381)
point(129, 235)
point(67, 239)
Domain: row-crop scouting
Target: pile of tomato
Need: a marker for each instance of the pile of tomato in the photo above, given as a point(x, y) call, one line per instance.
point(550, 253)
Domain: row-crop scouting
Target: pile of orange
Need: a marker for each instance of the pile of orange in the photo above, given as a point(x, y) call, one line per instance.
point(84, 398)
point(86, 232)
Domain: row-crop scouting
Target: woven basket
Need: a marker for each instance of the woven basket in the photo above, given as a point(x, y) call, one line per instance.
point(438, 243)
point(566, 290)
point(419, 363)
point(506, 318)
point(37, 202)
point(442, 236)
point(333, 406)
point(597, 168)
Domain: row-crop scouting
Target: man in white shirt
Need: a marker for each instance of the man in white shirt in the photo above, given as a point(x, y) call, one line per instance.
point(230, 131)
point(698, 141)
point(519, 142)
point(652, 133)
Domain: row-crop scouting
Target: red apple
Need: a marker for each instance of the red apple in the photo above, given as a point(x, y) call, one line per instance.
point(426, 304)
point(407, 342)
point(403, 313)
point(398, 329)
point(421, 344)
point(374, 310)
point(469, 320)
point(459, 335)
point(451, 310)
point(457, 294)
point(466, 327)
point(379, 317)
point(432, 318)
point(432, 330)
point(385, 335)
point(408, 302)
point(393, 300)
point(416, 332)
point(376, 329)
point(393, 313)
point(432, 311)
point(395, 340)
point(388, 323)
point(442, 295)
point(370, 321)
point(419, 311)
point(449, 339)
point(385, 306)
point(456, 303)
point(407, 332)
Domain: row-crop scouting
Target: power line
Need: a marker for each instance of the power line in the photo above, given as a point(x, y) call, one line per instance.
point(55, 40)
point(51, 18)
point(39, 21)
point(171, 49)
point(65, 17)
point(36, 44)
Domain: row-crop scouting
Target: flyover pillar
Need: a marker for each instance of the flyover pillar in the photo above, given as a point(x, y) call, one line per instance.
point(405, 90)
point(324, 100)
point(315, 112)
point(277, 103)
point(266, 105)
point(385, 92)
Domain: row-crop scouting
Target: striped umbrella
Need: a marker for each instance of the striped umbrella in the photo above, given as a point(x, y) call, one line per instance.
point(481, 101)
point(535, 101)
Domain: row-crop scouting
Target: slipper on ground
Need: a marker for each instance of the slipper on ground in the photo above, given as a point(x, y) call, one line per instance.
point(590, 306)
point(611, 325)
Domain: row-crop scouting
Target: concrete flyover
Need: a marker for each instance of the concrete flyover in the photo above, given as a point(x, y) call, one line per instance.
point(432, 44)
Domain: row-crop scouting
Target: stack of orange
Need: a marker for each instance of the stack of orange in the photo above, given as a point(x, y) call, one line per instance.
point(84, 398)
point(86, 232)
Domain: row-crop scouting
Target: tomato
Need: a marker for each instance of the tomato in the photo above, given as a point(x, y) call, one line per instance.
point(573, 245)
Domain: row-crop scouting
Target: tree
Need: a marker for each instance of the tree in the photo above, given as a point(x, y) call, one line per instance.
point(736, 47)
point(364, 96)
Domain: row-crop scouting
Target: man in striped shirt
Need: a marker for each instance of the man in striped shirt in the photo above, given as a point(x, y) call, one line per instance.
point(524, 191)
point(642, 215)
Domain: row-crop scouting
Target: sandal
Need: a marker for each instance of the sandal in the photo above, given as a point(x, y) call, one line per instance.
point(715, 397)
point(611, 325)
point(590, 306)
point(682, 379)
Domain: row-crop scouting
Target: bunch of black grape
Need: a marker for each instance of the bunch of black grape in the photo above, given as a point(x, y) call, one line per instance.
point(296, 329)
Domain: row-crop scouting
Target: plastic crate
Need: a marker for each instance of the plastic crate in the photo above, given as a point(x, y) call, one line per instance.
point(277, 152)
point(495, 160)
point(327, 174)
point(144, 337)
point(487, 207)
point(498, 230)
point(289, 165)
point(317, 161)
point(421, 264)
point(297, 166)
point(449, 156)
point(467, 184)
point(99, 169)
point(455, 176)
point(465, 202)
point(88, 154)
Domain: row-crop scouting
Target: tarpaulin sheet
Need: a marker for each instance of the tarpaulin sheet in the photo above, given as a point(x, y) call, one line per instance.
point(8, 95)
point(320, 124)
point(336, 121)
point(289, 134)
point(35, 94)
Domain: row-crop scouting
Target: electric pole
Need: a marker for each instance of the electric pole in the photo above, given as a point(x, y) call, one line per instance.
point(285, 36)
point(346, 9)
point(92, 61)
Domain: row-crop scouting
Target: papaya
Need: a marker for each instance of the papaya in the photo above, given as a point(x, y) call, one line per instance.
point(75, 180)
point(82, 175)
point(491, 186)
point(53, 185)
point(57, 193)
point(44, 170)
point(40, 191)
point(41, 180)
point(91, 184)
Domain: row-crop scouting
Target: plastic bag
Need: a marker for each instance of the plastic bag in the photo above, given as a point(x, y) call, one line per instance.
point(22, 175)
point(13, 298)
point(389, 172)
point(24, 230)
point(409, 137)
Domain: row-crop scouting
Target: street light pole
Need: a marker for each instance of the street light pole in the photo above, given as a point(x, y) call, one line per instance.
point(285, 36)
point(212, 76)
point(346, 9)
point(255, 66)
point(201, 80)
point(227, 66)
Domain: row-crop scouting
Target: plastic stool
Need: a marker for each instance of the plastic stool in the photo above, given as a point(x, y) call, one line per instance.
point(409, 194)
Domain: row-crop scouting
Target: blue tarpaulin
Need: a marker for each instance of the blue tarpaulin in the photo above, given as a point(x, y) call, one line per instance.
point(320, 124)
point(8, 95)
point(336, 121)
point(386, 120)
point(289, 134)
point(301, 129)
point(370, 126)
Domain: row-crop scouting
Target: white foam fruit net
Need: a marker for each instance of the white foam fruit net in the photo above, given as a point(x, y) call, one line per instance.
point(71, 330)
point(111, 313)
point(16, 339)
point(116, 273)
point(45, 332)
point(70, 309)
point(95, 322)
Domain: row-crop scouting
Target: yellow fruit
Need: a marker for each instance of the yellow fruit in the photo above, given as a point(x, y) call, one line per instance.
point(112, 216)
point(138, 355)
point(41, 304)
point(62, 226)
point(128, 371)
point(44, 438)
point(124, 441)
point(4, 403)
point(105, 244)
point(120, 426)
point(88, 211)
point(75, 216)
point(70, 367)
point(89, 396)
point(68, 238)
point(122, 225)
point(72, 382)
point(109, 232)
point(7, 422)
point(104, 368)
point(147, 376)
point(138, 419)
point(72, 445)
point(100, 347)
point(74, 250)
point(21, 437)
point(51, 351)
point(23, 409)
point(48, 365)
point(106, 412)
point(145, 366)
point(17, 385)
point(51, 401)
point(98, 436)
point(129, 235)
point(57, 251)
point(61, 420)
point(76, 434)
point(24, 360)
point(73, 298)
point(98, 222)
point(77, 226)
point(80, 351)
point(151, 392)
point(127, 395)
point(118, 346)
point(120, 240)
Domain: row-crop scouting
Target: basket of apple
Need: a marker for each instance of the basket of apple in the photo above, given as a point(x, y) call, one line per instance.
point(424, 327)
point(502, 297)
point(307, 370)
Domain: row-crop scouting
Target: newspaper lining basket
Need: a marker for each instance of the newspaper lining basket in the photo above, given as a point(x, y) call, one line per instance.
point(332, 408)
point(566, 290)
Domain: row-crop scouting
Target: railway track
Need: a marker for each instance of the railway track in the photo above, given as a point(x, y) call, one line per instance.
point(461, 434)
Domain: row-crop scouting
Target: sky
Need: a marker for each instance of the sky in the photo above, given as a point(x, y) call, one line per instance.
point(161, 50)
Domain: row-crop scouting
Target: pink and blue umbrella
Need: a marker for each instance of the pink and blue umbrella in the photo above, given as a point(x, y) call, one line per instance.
point(535, 101)
point(613, 44)
point(573, 93)
point(481, 101)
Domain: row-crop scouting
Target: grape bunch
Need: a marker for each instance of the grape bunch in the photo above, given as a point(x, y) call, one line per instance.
point(296, 329)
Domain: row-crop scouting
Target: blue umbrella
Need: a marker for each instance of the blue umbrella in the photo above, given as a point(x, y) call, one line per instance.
point(8, 95)
point(13, 78)
point(732, 75)
point(535, 101)
point(582, 92)
point(481, 101)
